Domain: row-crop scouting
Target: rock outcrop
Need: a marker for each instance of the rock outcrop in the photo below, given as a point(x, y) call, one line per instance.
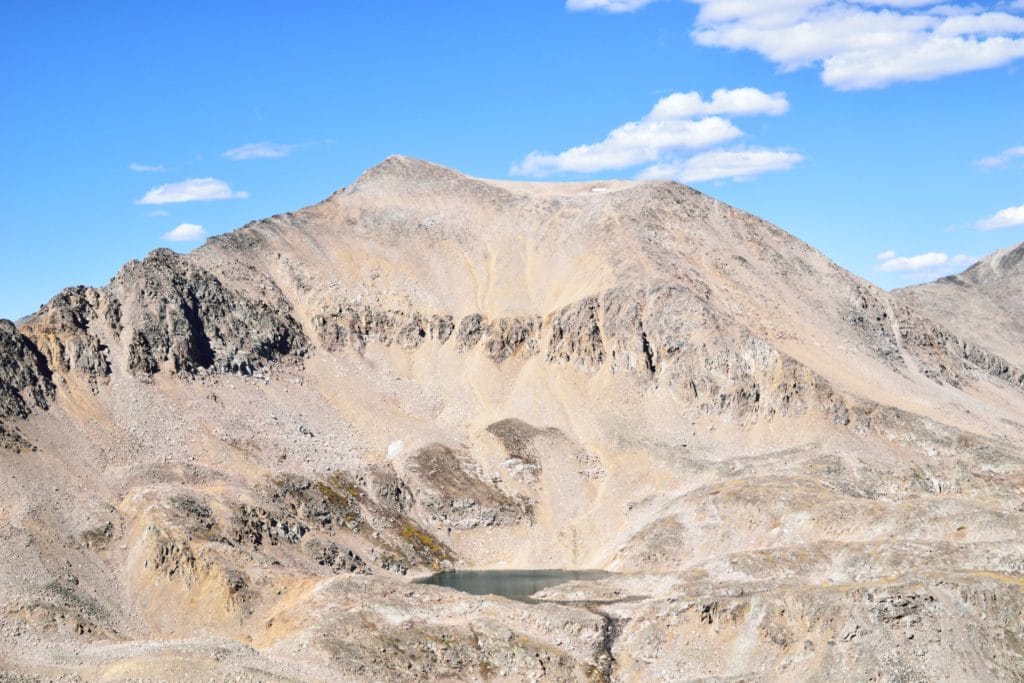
point(25, 378)
point(182, 317)
point(62, 331)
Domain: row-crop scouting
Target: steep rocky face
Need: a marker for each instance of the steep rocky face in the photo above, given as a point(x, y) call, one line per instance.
point(183, 316)
point(163, 313)
point(242, 455)
point(664, 334)
point(62, 331)
point(24, 376)
point(25, 384)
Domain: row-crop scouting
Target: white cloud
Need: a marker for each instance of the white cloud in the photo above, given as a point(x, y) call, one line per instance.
point(931, 262)
point(985, 24)
point(679, 122)
point(191, 190)
point(1007, 218)
point(1003, 158)
point(143, 168)
point(861, 44)
point(259, 150)
point(631, 144)
point(886, 255)
point(920, 61)
point(738, 102)
point(186, 232)
point(614, 6)
point(741, 164)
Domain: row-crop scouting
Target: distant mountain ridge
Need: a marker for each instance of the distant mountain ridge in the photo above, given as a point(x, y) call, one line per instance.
point(984, 303)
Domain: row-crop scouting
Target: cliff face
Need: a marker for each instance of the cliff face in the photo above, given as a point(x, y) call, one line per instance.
point(162, 313)
point(253, 447)
point(24, 376)
point(24, 384)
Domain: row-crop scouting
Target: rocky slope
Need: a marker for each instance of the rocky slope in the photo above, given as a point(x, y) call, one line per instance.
point(231, 463)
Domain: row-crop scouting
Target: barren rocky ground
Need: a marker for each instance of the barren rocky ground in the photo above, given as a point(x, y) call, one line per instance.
point(230, 464)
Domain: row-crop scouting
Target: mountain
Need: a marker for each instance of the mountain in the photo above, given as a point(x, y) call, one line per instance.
point(231, 463)
point(982, 304)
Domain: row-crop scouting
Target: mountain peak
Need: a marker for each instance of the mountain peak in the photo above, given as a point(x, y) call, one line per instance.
point(408, 175)
point(408, 170)
point(982, 303)
point(999, 264)
point(430, 370)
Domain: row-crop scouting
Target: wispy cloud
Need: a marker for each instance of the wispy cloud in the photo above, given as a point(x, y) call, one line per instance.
point(1007, 218)
point(158, 213)
point(859, 44)
point(631, 144)
point(186, 232)
point(614, 6)
point(740, 164)
point(143, 168)
point(260, 150)
point(737, 102)
point(191, 190)
point(676, 124)
point(932, 263)
point(1003, 158)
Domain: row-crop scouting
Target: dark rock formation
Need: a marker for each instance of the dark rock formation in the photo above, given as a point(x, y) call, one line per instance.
point(356, 326)
point(575, 335)
point(62, 331)
point(505, 337)
point(471, 329)
point(516, 437)
point(456, 497)
point(175, 312)
point(339, 559)
point(25, 378)
point(336, 519)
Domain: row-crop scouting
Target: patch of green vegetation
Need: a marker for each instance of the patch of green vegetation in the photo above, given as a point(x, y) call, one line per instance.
point(336, 498)
point(424, 542)
point(340, 491)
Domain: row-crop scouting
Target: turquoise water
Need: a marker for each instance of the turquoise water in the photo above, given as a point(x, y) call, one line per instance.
point(514, 584)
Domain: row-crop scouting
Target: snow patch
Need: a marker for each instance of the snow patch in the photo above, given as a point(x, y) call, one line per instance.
point(395, 449)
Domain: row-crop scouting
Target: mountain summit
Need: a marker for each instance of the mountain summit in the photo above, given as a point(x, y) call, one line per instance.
point(232, 462)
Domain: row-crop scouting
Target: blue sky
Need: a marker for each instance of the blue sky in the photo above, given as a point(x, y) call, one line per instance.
point(867, 129)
